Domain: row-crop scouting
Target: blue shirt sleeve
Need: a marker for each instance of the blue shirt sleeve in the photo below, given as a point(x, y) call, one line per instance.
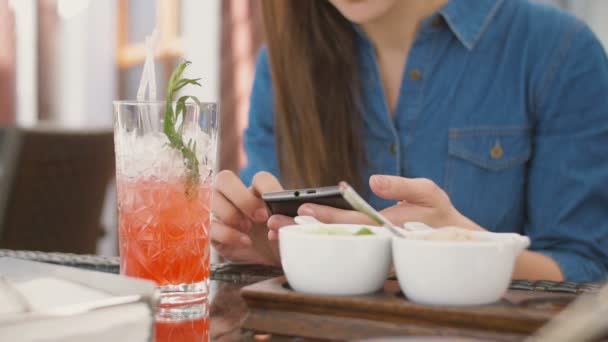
point(568, 176)
point(259, 138)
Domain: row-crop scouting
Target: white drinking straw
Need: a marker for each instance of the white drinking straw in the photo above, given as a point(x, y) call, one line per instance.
point(148, 75)
point(148, 80)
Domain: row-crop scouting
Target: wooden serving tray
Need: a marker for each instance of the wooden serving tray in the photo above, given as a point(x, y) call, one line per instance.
point(275, 308)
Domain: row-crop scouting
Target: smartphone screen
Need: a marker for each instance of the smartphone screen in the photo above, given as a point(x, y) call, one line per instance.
point(287, 202)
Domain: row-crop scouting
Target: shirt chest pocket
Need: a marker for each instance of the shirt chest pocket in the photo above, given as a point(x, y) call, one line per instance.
point(486, 172)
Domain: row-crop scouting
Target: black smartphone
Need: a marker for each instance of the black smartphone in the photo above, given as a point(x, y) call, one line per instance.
point(287, 202)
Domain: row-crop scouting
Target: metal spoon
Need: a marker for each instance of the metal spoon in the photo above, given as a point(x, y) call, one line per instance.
point(80, 308)
point(67, 310)
point(359, 204)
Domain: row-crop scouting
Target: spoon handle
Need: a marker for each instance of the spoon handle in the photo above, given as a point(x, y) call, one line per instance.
point(357, 202)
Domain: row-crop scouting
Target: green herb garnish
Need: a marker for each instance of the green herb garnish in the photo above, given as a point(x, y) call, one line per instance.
point(364, 231)
point(175, 135)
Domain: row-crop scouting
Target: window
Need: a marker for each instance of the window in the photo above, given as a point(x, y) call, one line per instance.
point(136, 20)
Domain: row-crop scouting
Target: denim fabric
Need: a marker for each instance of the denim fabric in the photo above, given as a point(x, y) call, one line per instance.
point(504, 104)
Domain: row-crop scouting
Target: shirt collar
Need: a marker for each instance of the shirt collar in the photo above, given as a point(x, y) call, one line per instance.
point(468, 19)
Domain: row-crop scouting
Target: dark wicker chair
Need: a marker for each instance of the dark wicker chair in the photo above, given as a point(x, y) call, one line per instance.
point(2, 134)
point(53, 188)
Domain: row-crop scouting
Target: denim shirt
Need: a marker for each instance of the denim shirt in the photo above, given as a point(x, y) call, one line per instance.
point(503, 104)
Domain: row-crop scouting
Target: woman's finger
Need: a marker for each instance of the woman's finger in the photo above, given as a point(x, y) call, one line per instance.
point(227, 213)
point(276, 222)
point(261, 183)
point(400, 213)
point(327, 214)
point(227, 236)
point(420, 191)
point(403, 213)
point(231, 187)
point(265, 182)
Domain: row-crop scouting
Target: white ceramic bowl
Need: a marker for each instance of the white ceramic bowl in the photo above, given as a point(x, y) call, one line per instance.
point(334, 264)
point(456, 272)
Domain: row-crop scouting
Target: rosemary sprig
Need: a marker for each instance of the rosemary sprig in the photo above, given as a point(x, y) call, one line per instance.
point(175, 135)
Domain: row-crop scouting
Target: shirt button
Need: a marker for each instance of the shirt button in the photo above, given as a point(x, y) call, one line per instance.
point(497, 152)
point(393, 149)
point(415, 75)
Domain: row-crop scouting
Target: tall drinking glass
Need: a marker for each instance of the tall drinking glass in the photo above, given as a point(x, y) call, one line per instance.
point(164, 196)
point(183, 323)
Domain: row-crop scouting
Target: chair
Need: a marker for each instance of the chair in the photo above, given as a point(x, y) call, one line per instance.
point(2, 133)
point(53, 188)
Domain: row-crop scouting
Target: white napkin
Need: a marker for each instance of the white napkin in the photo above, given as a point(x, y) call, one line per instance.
point(47, 293)
point(41, 302)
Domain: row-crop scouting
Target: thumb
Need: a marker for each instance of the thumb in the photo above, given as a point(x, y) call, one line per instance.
point(420, 191)
point(265, 182)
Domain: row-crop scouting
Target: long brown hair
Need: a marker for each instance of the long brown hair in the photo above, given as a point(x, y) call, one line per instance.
point(314, 65)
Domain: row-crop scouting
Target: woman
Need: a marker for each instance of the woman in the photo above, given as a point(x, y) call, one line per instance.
point(494, 113)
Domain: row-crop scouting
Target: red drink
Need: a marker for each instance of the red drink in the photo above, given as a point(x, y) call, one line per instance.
point(185, 331)
point(164, 230)
point(164, 172)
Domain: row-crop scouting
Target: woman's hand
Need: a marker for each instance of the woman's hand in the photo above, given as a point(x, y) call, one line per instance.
point(238, 223)
point(420, 200)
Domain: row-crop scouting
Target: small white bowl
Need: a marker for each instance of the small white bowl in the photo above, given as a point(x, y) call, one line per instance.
point(440, 272)
point(334, 264)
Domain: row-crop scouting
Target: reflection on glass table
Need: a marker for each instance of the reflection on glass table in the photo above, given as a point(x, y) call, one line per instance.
point(187, 323)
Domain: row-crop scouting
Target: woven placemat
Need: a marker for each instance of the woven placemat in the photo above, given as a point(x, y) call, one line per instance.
point(223, 272)
point(240, 273)
point(90, 262)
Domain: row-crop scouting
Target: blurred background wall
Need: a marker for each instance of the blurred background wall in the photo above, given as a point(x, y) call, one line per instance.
point(65, 61)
